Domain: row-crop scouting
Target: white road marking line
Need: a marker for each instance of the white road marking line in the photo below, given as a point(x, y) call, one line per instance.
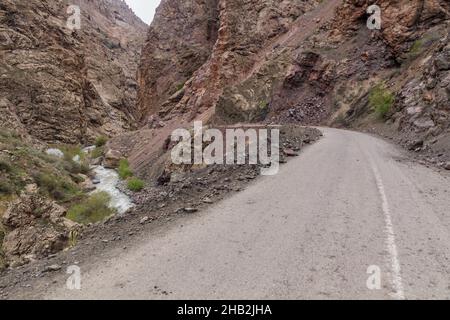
point(392, 247)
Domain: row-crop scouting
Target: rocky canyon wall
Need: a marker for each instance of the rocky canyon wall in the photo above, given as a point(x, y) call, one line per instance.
point(195, 50)
point(63, 85)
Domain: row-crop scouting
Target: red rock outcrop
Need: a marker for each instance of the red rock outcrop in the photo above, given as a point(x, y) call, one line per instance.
point(399, 18)
point(272, 63)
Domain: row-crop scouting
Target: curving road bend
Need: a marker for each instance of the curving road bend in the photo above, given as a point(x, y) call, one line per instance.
point(349, 202)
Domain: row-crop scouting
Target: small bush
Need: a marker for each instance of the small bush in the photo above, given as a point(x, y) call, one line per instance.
point(70, 151)
point(91, 210)
point(416, 48)
point(101, 141)
point(75, 167)
point(179, 86)
point(5, 166)
point(59, 188)
point(97, 152)
point(124, 169)
point(381, 100)
point(73, 238)
point(135, 184)
point(6, 187)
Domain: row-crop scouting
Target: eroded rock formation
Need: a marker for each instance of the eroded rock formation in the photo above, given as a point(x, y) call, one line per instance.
point(37, 228)
point(63, 85)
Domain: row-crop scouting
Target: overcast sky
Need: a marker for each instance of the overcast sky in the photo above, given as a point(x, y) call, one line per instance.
point(145, 9)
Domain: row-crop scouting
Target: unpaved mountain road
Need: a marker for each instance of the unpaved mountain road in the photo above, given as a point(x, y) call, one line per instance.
point(349, 201)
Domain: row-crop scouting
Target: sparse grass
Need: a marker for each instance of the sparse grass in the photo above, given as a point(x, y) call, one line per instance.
point(179, 86)
point(75, 167)
point(73, 238)
point(57, 187)
point(5, 166)
point(381, 100)
point(124, 169)
point(263, 104)
point(101, 141)
point(91, 210)
point(416, 48)
point(70, 151)
point(135, 184)
point(97, 152)
point(6, 187)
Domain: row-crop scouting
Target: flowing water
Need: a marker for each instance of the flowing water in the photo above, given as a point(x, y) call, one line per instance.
point(108, 183)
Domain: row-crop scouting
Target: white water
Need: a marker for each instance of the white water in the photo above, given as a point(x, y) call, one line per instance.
point(108, 183)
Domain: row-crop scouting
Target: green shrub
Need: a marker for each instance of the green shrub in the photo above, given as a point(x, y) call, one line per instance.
point(101, 141)
point(135, 184)
point(5, 166)
point(124, 169)
point(73, 238)
point(97, 152)
point(75, 167)
point(59, 188)
point(381, 100)
point(91, 210)
point(416, 48)
point(6, 187)
point(179, 86)
point(70, 151)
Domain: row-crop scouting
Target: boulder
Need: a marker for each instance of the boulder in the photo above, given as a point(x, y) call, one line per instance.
point(112, 159)
point(55, 153)
point(290, 153)
point(38, 228)
point(447, 166)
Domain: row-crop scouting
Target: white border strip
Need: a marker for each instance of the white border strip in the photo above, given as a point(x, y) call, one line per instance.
point(392, 247)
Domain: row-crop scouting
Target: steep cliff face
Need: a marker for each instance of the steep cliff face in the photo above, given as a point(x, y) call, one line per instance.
point(63, 85)
point(415, 40)
point(307, 62)
point(237, 35)
point(179, 42)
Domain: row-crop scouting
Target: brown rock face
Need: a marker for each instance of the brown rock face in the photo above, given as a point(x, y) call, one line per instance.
point(219, 44)
point(400, 18)
point(179, 42)
point(60, 85)
point(38, 228)
point(271, 62)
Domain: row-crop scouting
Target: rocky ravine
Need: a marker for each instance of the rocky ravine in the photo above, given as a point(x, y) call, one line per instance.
point(60, 85)
point(223, 62)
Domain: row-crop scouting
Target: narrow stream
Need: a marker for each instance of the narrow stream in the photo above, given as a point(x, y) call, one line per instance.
point(108, 183)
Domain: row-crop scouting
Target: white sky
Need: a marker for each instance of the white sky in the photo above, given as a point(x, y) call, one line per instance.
point(145, 9)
